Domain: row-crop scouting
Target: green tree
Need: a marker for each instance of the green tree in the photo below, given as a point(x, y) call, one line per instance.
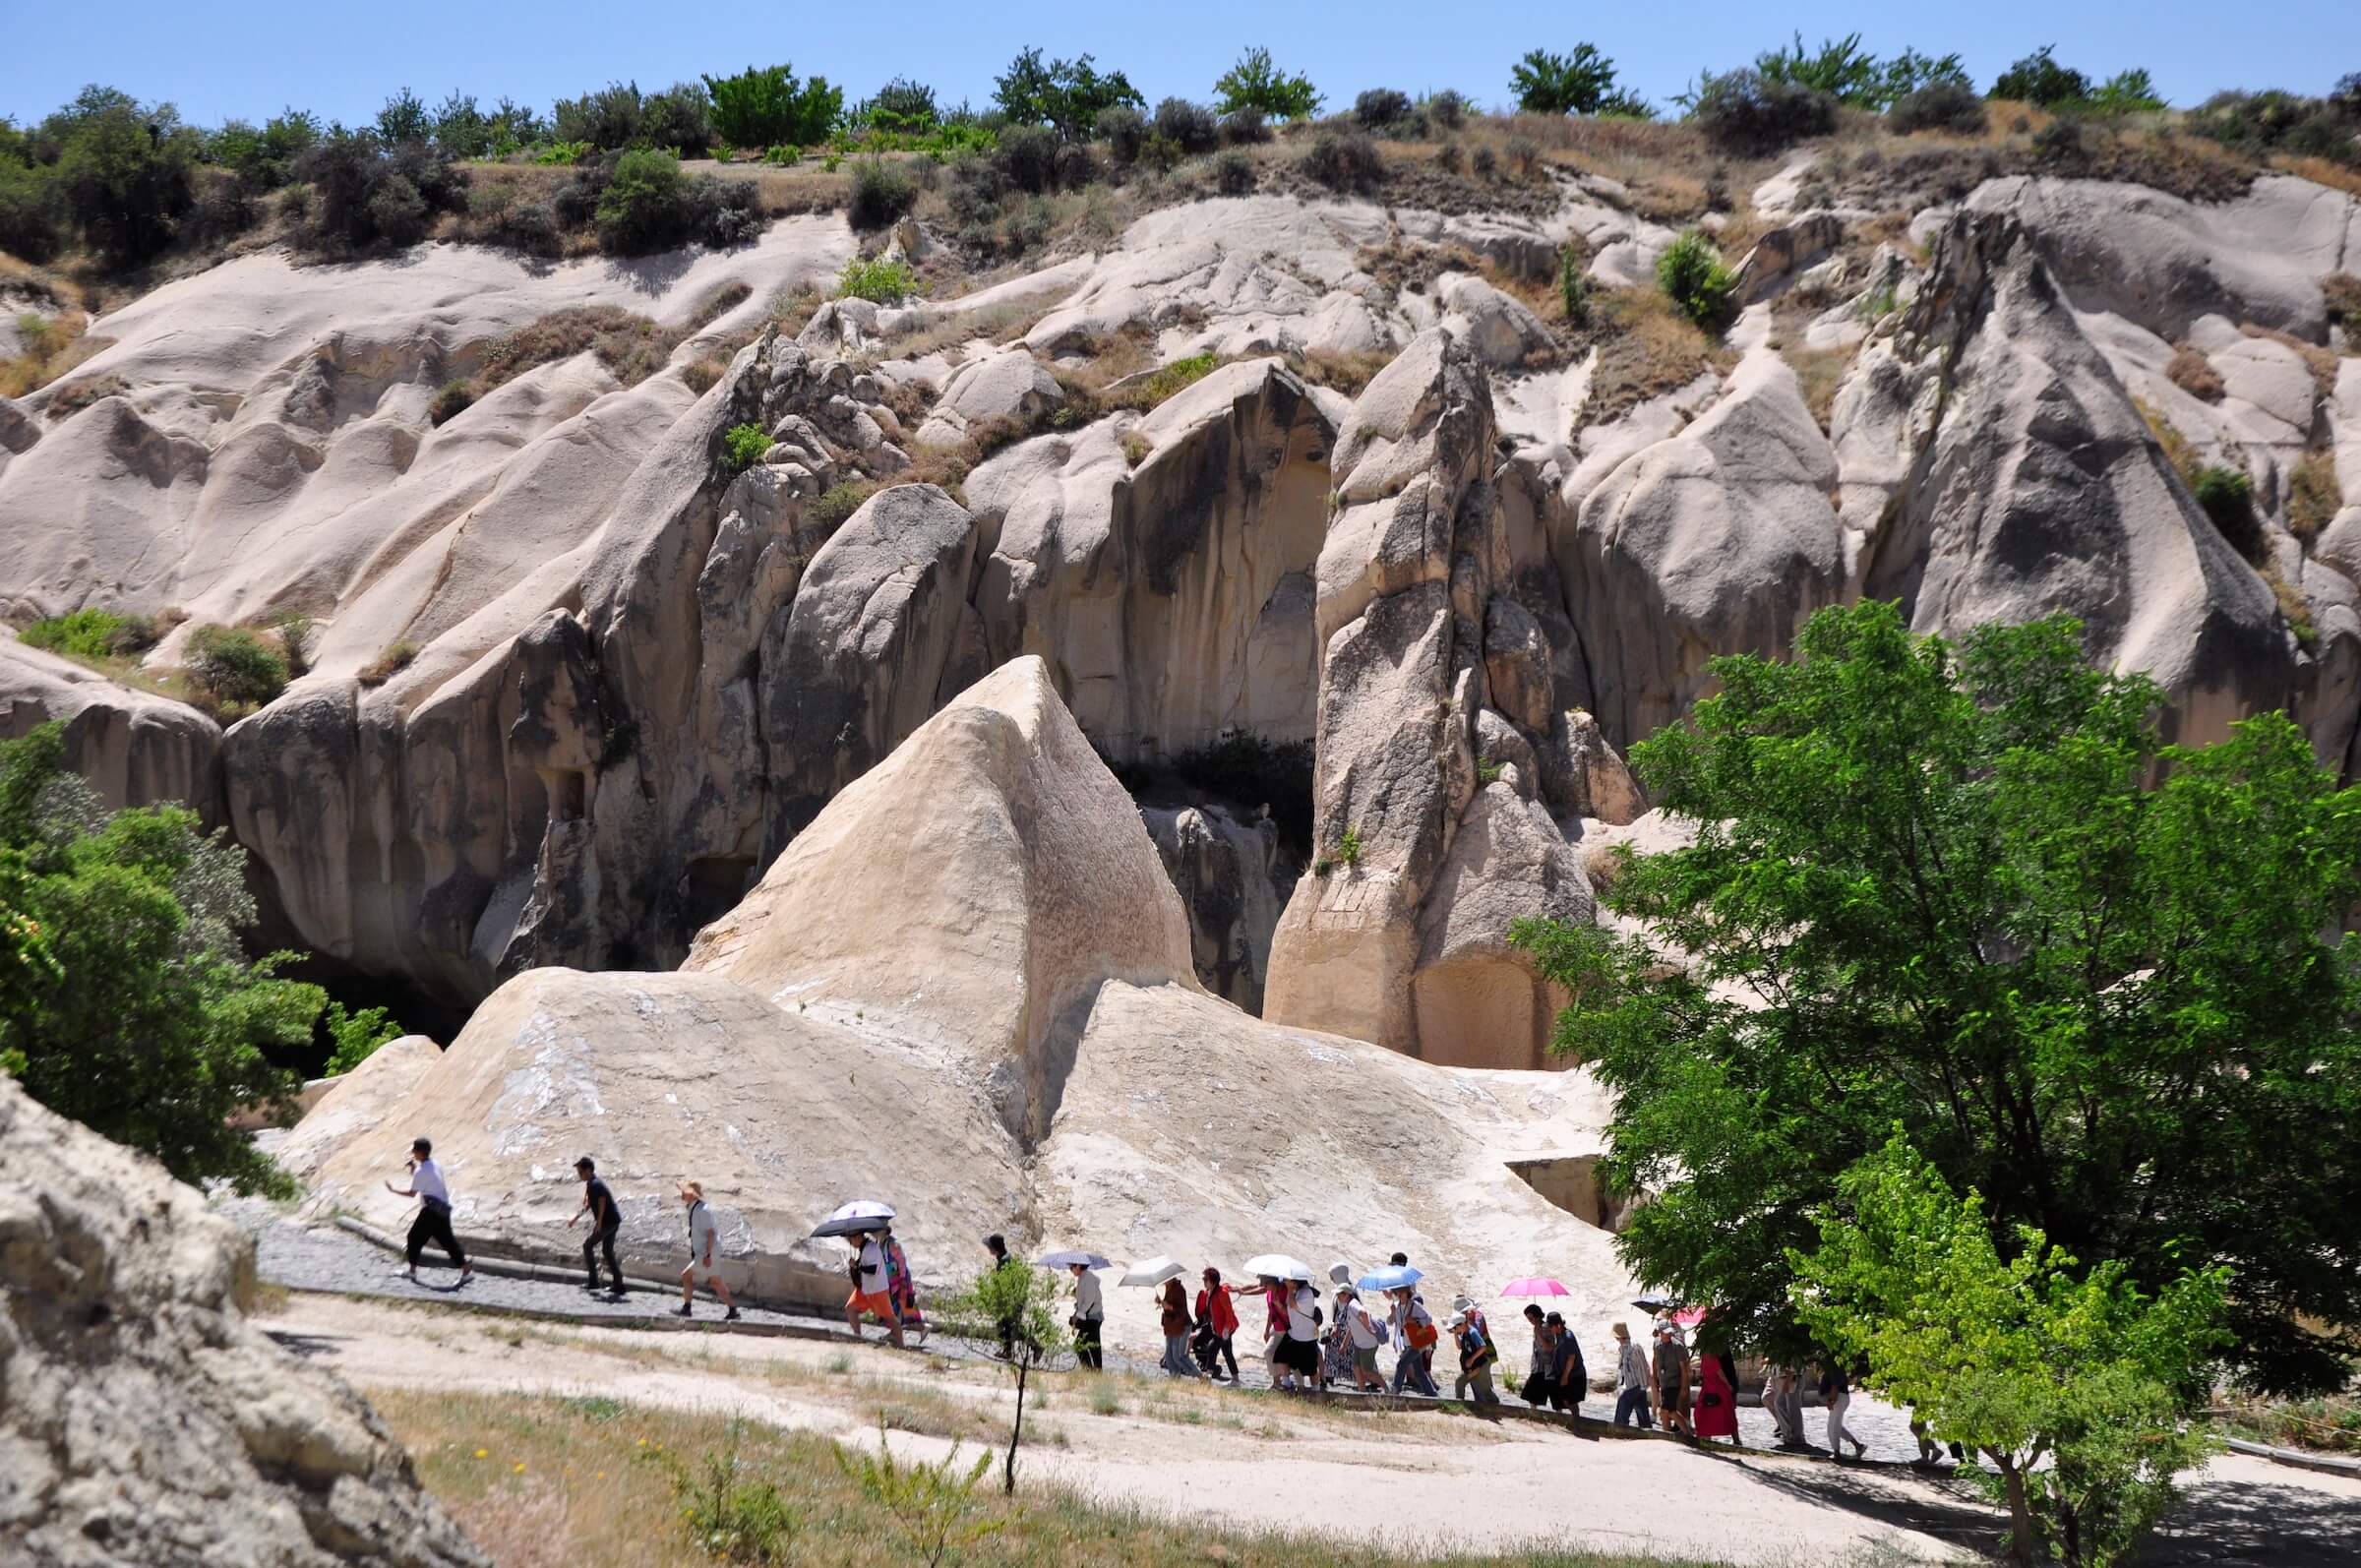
point(1254, 82)
point(143, 1018)
point(125, 171)
point(2023, 1359)
point(1009, 1313)
point(1840, 67)
point(1937, 887)
point(1580, 82)
point(770, 106)
point(1065, 94)
point(354, 1037)
point(2040, 79)
point(405, 118)
point(1909, 71)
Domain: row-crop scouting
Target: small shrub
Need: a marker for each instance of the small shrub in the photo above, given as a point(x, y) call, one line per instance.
point(1483, 161)
point(1245, 128)
point(1233, 173)
point(744, 445)
point(451, 399)
point(1941, 106)
point(84, 634)
point(2342, 292)
point(388, 664)
point(355, 1036)
point(1692, 276)
point(882, 195)
point(296, 640)
point(1344, 162)
point(2314, 496)
point(1573, 290)
point(930, 1504)
point(1125, 131)
point(2192, 372)
point(1136, 448)
point(234, 672)
point(644, 206)
point(1747, 112)
point(1562, 83)
point(700, 375)
point(729, 1514)
point(1027, 157)
point(1189, 126)
point(1523, 154)
point(1450, 158)
point(2040, 79)
point(883, 281)
point(2059, 141)
point(2227, 496)
point(1348, 847)
point(1446, 110)
point(1073, 167)
point(1256, 83)
point(839, 502)
point(1380, 109)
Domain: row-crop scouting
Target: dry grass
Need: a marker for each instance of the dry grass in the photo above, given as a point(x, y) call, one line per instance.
point(938, 330)
point(2320, 171)
point(1820, 371)
point(1646, 348)
point(2342, 293)
point(544, 1482)
point(52, 346)
point(2175, 446)
point(392, 662)
point(2192, 372)
point(74, 396)
point(1347, 371)
point(2294, 606)
point(2314, 496)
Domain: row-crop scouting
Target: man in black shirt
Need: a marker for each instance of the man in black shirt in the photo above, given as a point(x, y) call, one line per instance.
point(605, 1221)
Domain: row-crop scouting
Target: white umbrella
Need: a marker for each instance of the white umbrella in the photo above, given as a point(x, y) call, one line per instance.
point(1152, 1271)
point(1279, 1266)
point(862, 1214)
point(1069, 1257)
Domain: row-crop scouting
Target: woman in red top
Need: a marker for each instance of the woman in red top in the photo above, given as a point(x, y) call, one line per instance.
point(1217, 1320)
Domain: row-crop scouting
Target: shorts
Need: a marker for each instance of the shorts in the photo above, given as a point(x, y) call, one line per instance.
point(1365, 1360)
point(702, 1273)
point(877, 1303)
point(1669, 1399)
point(1298, 1355)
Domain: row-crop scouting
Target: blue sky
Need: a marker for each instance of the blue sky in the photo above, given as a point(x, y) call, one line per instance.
point(249, 58)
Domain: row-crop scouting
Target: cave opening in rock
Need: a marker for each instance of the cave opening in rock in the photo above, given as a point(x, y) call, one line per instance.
point(1575, 1184)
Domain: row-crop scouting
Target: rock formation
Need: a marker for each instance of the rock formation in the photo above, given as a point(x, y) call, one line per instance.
point(966, 989)
point(135, 749)
point(145, 1420)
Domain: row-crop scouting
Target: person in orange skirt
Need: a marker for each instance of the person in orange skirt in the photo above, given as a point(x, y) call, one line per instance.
point(869, 1293)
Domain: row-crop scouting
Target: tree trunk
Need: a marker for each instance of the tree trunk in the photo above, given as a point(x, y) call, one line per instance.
point(1017, 1435)
point(2021, 1513)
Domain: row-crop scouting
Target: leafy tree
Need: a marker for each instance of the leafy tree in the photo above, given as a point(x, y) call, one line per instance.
point(2040, 79)
point(139, 1014)
point(1065, 94)
point(609, 118)
point(679, 118)
point(32, 214)
point(125, 171)
point(1933, 887)
point(770, 106)
point(1255, 83)
point(460, 128)
point(404, 118)
point(2023, 1359)
point(1840, 68)
point(1009, 1313)
point(1910, 71)
point(1747, 112)
point(901, 104)
point(2126, 93)
point(355, 1036)
point(1580, 82)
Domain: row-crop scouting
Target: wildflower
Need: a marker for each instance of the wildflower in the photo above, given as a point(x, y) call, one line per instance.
point(483, 1453)
point(520, 1467)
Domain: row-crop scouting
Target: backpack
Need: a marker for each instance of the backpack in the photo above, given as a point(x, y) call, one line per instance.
point(1420, 1332)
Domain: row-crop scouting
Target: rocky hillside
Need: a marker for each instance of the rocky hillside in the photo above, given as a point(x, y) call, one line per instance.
point(1359, 537)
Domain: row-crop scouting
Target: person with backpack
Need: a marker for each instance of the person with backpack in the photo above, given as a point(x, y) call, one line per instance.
point(901, 1286)
point(871, 1292)
point(434, 1211)
point(1217, 1325)
point(1477, 1354)
point(606, 1223)
point(1362, 1334)
point(703, 1235)
point(1416, 1334)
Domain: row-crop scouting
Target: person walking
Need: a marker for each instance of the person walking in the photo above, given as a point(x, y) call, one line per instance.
point(1569, 1375)
point(871, 1292)
point(1535, 1389)
point(702, 1238)
point(1362, 1335)
point(1217, 1318)
point(606, 1223)
point(1335, 1345)
point(1633, 1379)
point(1672, 1379)
point(1174, 1300)
point(1090, 1317)
point(1477, 1354)
point(997, 1246)
point(1836, 1392)
point(901, 1286)
point(434, 1211)
point(1299, 1347)
point(1415, 1335)
point(1274, 1328)
point(1717, 1413)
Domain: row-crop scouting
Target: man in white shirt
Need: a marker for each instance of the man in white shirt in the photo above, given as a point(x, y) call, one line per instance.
point(434, 1210)
point(870, 1294)
point(1090, 1311)
point(1634, 1377)
point(702, 1236)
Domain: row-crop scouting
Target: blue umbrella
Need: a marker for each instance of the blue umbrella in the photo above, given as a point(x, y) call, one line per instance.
point(1392, 1279)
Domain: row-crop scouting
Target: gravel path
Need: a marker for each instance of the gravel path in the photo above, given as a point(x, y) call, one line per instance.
point(330, 1259)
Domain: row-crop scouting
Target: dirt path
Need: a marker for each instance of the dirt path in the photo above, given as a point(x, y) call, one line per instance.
point(1427, 1478)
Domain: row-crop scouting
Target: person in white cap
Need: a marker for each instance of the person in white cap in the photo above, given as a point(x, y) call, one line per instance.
point(1476, 1355)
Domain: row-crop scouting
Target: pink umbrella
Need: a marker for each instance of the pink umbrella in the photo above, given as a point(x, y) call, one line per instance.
point(1536, 1287)
point(1689, 1318)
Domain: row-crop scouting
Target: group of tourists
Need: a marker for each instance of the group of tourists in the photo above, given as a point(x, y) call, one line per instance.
point(1308, 1344)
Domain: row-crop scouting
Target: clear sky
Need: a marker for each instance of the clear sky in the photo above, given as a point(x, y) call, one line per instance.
point(247, 58)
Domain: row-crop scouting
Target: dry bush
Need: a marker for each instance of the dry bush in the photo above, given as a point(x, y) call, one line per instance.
point(2342, 293)
point(700, 375)
point(2169, 440)
point(1820, 371)
point(51, 347)
point(2320, 171)
point(76, 396)
point(392, 662)
point(1348, 371)
point(2314, 496)
point(941, 329)
point(1646, 348)
point(2192, 372)
point(2294, 606)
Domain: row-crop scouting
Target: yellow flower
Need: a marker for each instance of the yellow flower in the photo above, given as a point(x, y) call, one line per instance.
point(520, 1467)
point(483, 1453)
